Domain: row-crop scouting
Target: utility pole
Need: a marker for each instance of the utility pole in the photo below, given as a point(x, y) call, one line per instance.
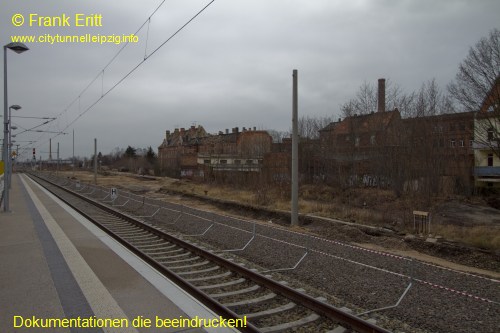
point(95, 161)
point(73, 152)
point(295, 153)
point(57, 165)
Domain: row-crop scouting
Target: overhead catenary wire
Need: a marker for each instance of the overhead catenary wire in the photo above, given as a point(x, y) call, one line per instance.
point(101, 72)
point(78, 98)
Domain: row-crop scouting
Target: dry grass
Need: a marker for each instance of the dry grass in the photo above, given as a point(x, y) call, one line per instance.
point(485, 237)
point(362, 205)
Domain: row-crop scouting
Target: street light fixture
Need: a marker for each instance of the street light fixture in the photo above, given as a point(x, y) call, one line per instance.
point(18, 48)
point(9, 161)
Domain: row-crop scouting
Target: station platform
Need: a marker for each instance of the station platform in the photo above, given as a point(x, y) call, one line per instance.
point(59, 269)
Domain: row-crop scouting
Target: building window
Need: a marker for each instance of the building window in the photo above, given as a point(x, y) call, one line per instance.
point(356, 143)
point(490, 134)
point(206, 161)
point(223, 162)
point(490, 160)
point(471, 142)
point(462, 143)
point(452, 143)
point(237, 162)
point(249, 161)
point(372, 139)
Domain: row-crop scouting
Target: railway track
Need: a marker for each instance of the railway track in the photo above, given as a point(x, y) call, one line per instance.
point(229, 289)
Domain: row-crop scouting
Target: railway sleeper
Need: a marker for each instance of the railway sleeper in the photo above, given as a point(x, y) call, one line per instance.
point(183, 260)
point(338, 329)
point(136, 231)
point(119, 227)
point(165, 254)
point(206, 262)
point(158, 250)
point(154, 240)
point(201, 271)
point(140, 240)
point(210, 277)
point(286, 326)
point(260, 314)
point(256, 300)
point(153, 246)
point(136, 236)
point(112, 219)
point(184, 254)
point(222, 285)
point(235, 292)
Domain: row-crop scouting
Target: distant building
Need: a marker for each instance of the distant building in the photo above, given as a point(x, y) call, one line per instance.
point(487, 141)
point(353, 149)
point(177, 154)
point(439, 151)
point(226, 155)
point(487, 162)
point(445, 153)
point(196, 154)
point(380, 148)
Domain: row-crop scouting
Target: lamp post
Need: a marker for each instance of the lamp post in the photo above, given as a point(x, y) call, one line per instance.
point(15, 107)
point(18, 48)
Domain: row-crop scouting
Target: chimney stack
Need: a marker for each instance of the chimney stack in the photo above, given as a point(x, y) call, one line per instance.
point(381, 95)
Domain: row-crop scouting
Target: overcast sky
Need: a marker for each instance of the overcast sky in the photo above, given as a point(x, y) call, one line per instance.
point(231, 66)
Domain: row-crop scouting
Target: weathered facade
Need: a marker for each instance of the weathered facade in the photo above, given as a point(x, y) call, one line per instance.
point(438, 153)
point(356, 147)
point(177, 154)
point(234, 156)
point(487, 141)
point(487, 162)
point(196, 154)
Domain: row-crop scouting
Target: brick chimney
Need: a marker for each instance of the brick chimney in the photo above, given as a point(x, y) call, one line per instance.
point(381, 95)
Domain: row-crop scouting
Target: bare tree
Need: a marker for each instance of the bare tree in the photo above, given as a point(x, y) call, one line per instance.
point(478, 73)
point(429, 101)
point(309, 127)
point(365, 101)
point(477, 88)
point(278, 136)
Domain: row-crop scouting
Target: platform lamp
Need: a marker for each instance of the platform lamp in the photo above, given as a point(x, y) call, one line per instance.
point(15, 107)
point(18, 48)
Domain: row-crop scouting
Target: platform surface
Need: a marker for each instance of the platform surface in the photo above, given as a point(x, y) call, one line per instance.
point(58, 268)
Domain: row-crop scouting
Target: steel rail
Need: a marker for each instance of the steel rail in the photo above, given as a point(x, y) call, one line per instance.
point(327, 310)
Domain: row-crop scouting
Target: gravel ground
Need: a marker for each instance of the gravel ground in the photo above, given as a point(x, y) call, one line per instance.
point(367, 279)
point(440, 300)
